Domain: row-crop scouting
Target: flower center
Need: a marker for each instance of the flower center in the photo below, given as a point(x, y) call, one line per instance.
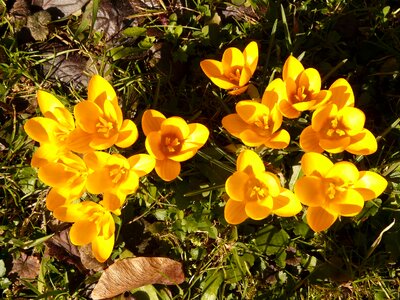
point(105, 127)
point(117, 173)
point(337, 186)
point(262, 122)
point(301, 95)
point(334, 128)
point(171, 144)
point(234, 74)
point(257, 190)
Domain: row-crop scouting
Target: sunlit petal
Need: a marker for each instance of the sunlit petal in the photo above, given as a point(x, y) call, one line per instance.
point(344, 170)
point(310, 79)
point(100, 90)
point(256, 211)
point(347, 203)
point(286, 204)
point(153, 145)
point(278, 140)
point(235, 186)
point(315, 164)
point(319, 219)
point(287, 110)
point(151, 121)
point(127, 135)
point(102, 248)
point(353, 119)
point(41, 129)
point(234, 124)
point(141, 164)
point(292, 68)
point(234, 212)
point(249, 161)
point(370, 185)
point(363, 143)
point(336, 145)
point(342, 93)
point(273, 93)
point(175, 126)
point(232, 58)
point(87, 115)
point(309, 191)
point(167, 169)
point(309, 141)
point(82, 232)
point(250, 54)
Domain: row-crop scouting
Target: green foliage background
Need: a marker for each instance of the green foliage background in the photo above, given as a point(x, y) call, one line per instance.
point(152, 60)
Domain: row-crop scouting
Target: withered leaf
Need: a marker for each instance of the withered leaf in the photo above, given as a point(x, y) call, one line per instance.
point(67, 7)
point(37, 24)
point(131, 273)
point(26, 266)
point(108, 19)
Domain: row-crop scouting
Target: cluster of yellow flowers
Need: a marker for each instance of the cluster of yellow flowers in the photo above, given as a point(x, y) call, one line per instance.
point(71, 161)
point(329, 190)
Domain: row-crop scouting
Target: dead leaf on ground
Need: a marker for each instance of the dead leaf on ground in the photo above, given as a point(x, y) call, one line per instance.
point(26, 266)
point(131, 273)
point(37, 25)
point(66, 7)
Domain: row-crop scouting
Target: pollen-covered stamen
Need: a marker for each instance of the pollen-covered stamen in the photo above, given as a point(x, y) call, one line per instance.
point(234, 74)
point(334, 128)
point(117, 173)
point(171, 144)
point(262, 122)
point(301, 95)
point(104, 126)
point(257, 190)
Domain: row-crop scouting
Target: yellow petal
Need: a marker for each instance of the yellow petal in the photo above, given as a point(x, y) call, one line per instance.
point(322, 116)
point(245, 76)
point(82, 232)
point(286, 204)
point(335, 145)
point(363, 143)
point(315, 164)
point(348, 203)
point(102, 248)
point(167, 169)
point(55, 174)
point(234, 124)
point(271, 181)
point(127, 135)
point(279, 140)
point(79, 141)
point(292, 68)
point(319, 219)
point(87, 116)
point(142, 164)
point(310, 80)
point(248, 161)
point(113, 201)
point(112, 113)
point(99, 142)
point(99, 181)
point(153, 145)
point(129, 185)
point(274, 92)
point(214, 70)
point(309, 140)
point(303, 106)
point(100, 90)
point(231, 59)
point(68, 213)
point(251, 111)
point(309, 191)
point(56, 198)
point(353, 119)
point(235, 186)
point(96, 160)
point(342, 93)
point(47, 102)
point(237, 91)
point(251, 138)
point(151, 121)
point(250, 54)
point(256, 211)
point(344, 170)
point(46, 153)
point(370, 185)
point(41, 129)
point(321, 98)
point(176, 127)
point(288, 110)
point(234, 212)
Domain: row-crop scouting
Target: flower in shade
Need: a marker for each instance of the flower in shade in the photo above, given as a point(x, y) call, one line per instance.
point(99, 120)
point(67, 177)
point(335, 130)
point(332, 190)
point(302, 89)
point(258, 123)
point(115, 176)
point(51, 130)
point(235, 69)
point(171, 141)
point(255, 193)
point(92, 224)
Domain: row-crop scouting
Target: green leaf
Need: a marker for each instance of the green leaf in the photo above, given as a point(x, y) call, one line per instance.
point(271, 240)
point(135, 31)
point(211, 285)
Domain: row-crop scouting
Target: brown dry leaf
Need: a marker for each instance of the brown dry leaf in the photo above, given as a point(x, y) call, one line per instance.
point(26, 266)
point(131, 273)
